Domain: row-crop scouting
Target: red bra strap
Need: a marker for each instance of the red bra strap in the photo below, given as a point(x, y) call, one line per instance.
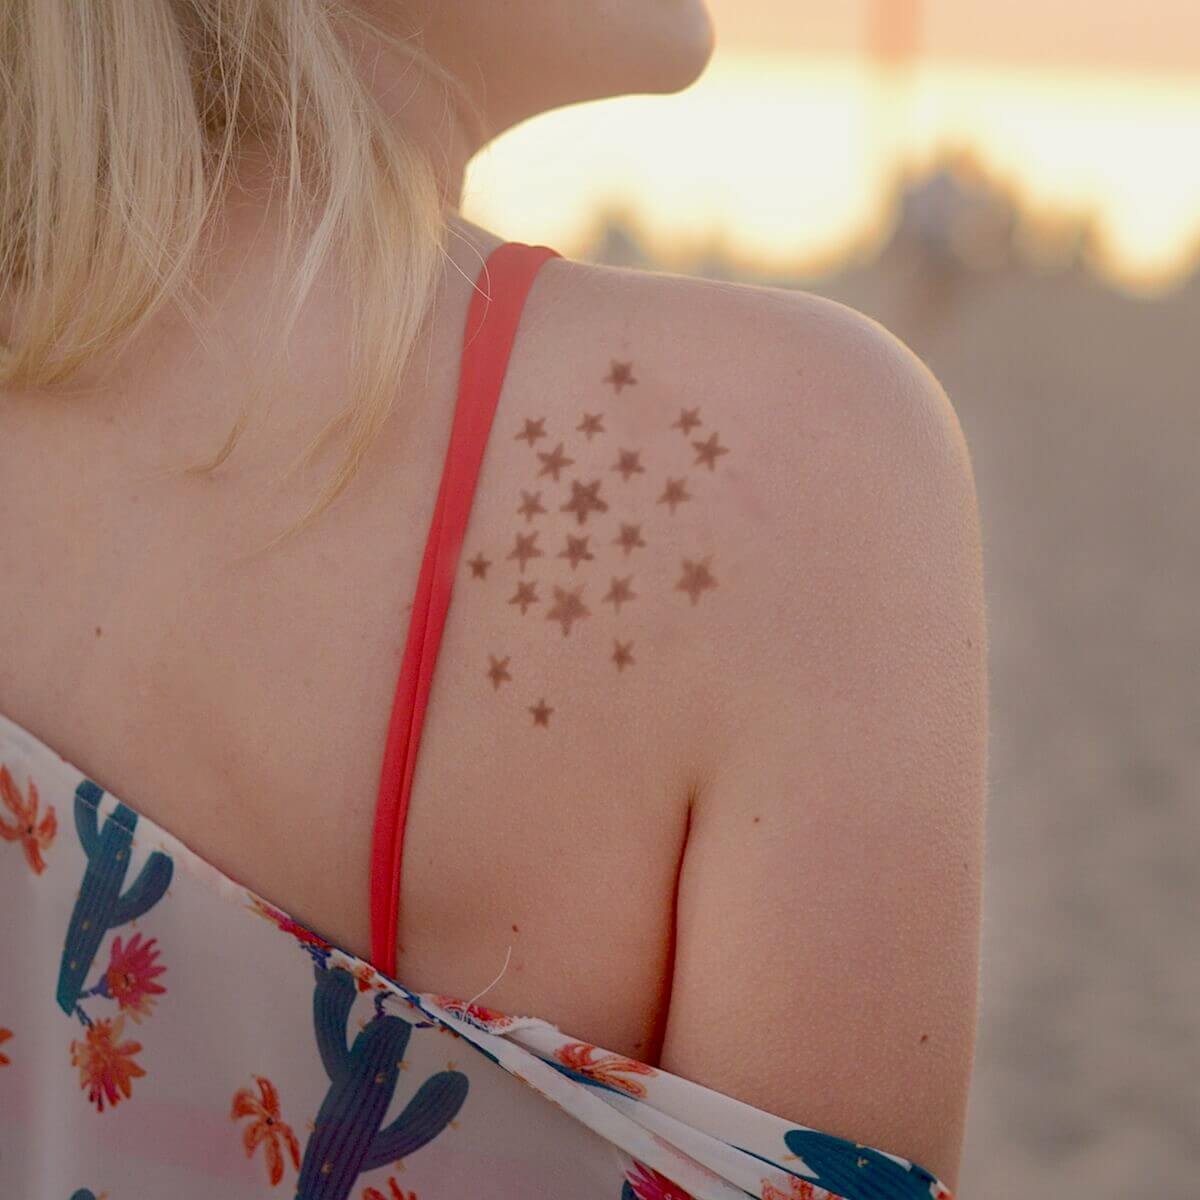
point(496, 304)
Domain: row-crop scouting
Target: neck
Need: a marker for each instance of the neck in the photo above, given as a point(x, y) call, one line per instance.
point(425, 110)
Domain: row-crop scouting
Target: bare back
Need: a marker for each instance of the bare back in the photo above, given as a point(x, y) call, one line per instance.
point(600, 681)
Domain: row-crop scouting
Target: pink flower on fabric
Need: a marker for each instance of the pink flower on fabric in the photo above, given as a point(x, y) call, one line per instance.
point(34, 835)
point(476, 1014)
point(393, 1193)
point(648, 1184)
point(608, 1068)
point(280, 919)
point(267, 1129)
point(130, 977)
point(795, 1189)
point(106, 1065)
point(365, 976)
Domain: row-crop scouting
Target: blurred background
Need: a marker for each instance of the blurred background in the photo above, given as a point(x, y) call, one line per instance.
point(1014, 190)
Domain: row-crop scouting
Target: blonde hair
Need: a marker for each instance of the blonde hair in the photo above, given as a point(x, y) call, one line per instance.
point(119, 124)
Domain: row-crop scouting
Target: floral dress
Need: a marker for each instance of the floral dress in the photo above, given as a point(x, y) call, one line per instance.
point(166, 1034)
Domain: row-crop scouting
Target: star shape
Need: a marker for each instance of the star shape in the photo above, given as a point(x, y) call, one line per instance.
point(630, 538)
point(497, 671)
point(525, 549)
point(526, 595)
point(577, 550)
point(708, 451)
point(479, 566)
point(541, 712)
point(689, 418)
point(628, 464)
point(622, 654)
point(568, 607)
point(620, 591)
point(585, 498)
point(532, 431)
point(620, 375)
point(590, 424)
point(554, 461)
point(674, 493)
point(696, 578)
point(531, 504)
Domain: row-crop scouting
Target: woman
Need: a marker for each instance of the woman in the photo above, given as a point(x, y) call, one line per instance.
point(690, 899)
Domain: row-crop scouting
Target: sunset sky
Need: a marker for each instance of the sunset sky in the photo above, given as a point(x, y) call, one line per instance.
point(1123, 34)
point(783, 150)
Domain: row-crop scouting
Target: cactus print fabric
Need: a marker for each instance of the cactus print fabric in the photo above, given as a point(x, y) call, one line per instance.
point(166, 1033)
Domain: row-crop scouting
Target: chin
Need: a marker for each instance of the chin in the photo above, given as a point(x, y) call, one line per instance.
point(679, 56)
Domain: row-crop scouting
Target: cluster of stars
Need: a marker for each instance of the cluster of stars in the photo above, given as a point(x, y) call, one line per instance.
point(566, 605)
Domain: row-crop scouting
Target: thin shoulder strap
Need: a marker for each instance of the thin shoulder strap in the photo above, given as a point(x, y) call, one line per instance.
point(496, 305)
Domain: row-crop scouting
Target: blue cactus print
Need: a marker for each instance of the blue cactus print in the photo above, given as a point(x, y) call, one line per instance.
point(346, 1138)
point(101, 904)
point(848, 1169)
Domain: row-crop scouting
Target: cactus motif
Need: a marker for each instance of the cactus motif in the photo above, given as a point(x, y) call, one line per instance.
point(346, 1138)
point(849, 1169)
point(101, 904)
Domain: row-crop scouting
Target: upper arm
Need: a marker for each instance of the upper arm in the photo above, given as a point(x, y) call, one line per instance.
point(827, 929)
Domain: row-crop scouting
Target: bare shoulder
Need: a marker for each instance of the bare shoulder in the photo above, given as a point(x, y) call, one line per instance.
point(821, 581)
point(796, 441)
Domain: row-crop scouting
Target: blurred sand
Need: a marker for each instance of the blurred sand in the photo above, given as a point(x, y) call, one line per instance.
point(1081, 408)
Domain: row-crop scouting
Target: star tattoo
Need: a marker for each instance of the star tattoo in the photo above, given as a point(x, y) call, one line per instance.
point(531, 504)
point(525, 549)
point(533, 430)
point(541, 712)
point(620, 375)
point(696, 579)
point(622, 654)
point(568, 607)
point(590, 424)
point(629, 539)
point(577, 550)
point(689, 418)
point(585, 498)
point(708, 451)
point(526, 595)
point(497, 671)
point(554, 461)
point(620, 590)
point(479, 566)
point(674, 493)
point(628, 463)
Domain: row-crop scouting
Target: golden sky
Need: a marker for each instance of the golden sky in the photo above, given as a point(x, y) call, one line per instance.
point(783, 151)
point(1143, 35)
